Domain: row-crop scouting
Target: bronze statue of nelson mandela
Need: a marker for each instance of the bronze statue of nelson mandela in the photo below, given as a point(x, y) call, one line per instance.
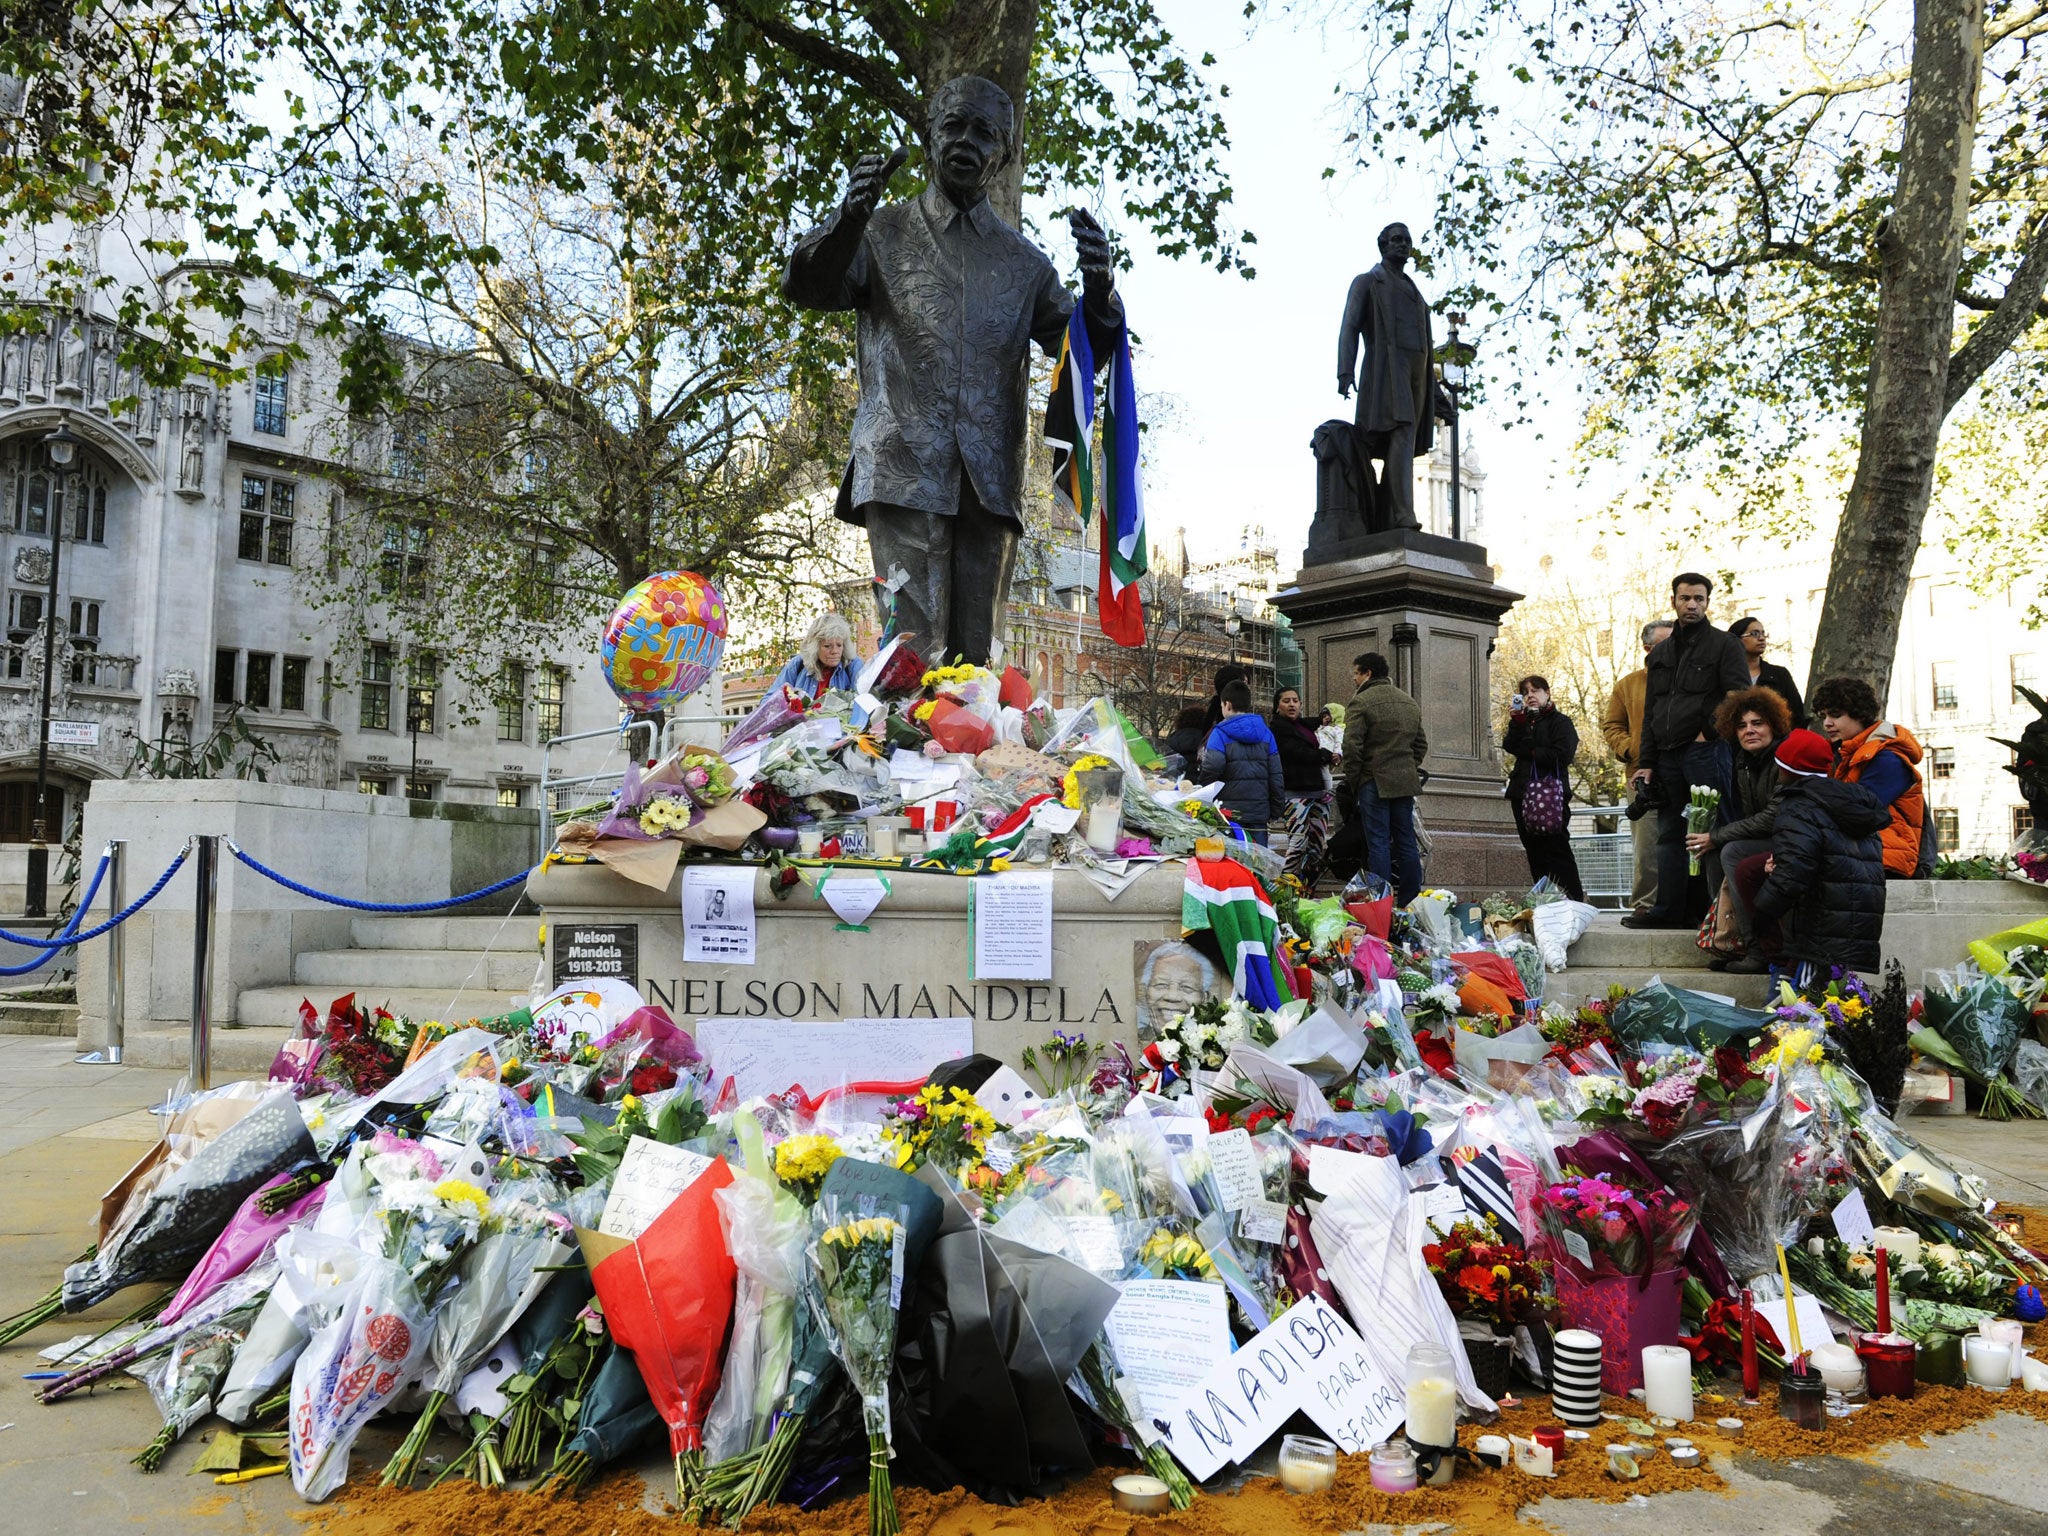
point(949, 299)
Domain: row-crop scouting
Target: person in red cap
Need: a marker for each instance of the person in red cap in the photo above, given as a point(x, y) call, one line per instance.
point(1818, 895)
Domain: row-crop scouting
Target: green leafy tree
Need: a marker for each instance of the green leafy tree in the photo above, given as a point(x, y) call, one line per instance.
point(1755, 227)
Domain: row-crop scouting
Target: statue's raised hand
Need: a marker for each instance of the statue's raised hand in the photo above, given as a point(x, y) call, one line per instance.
point(1091, 245)
point(871, 174)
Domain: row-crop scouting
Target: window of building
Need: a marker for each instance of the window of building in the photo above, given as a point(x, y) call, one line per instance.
point(1941, 762)
point(422, 694)
point(224, 677)
point(547, 703)
point(2022, 821)
point(326, 690)
point(370, 784)
point(512, 702)
point(376, 713)
point(402, 566)
point(273, 391)
point(2024, 676)
point(18, 811)
point(408, 447)
point(89, 512)
point(24, 613)
point(85, 637)
point(1945, 685)
point(256, 679)
point(293, 695)
point(511, 797)
point(421, 789)
point(1948, 833)
point(268, 508)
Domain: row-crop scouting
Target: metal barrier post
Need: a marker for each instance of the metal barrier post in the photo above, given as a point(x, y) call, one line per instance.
point(201, 1077)
point(117, 980)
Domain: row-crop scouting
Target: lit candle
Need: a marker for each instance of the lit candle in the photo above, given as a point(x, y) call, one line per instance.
point(1432, 1411)
point(1752, 1378)
point(1884, 1293)
point(1667, 1381)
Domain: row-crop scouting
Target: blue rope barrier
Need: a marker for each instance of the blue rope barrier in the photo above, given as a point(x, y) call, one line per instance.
point(69, 934)
point(58, 940)
point(375, 906)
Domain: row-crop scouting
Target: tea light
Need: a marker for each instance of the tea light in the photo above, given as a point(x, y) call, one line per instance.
point(1987, 1362)
point(1623, 1464)
point(1667, 1381)
point(1136, 1494)
point(1685, 1456)
point(1572, 1436)
point(1307, 1465)
point(1732, 1428)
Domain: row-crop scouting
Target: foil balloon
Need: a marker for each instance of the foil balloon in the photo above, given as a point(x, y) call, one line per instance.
point(665, 637)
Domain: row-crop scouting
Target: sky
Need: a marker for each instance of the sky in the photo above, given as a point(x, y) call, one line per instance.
point(1251, 367)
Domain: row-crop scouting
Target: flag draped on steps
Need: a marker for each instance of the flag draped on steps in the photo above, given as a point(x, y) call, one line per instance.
point(1070, 415)
point(1227, 899)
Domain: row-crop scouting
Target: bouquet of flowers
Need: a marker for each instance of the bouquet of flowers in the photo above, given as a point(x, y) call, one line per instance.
point(779, 709)
point(1973, 1023)
point(1700, 811)
point(1062, 1064)
point(1485, 1278)
point(184, 1382)
point(708, 779)
point(944, 1126)
point(1605, 1228)
point(859, 1259)
point(358, 1052)
point(895, 672)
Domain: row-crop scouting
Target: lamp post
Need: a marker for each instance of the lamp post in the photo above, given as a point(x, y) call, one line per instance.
point(1456, 356)
point(60, 451)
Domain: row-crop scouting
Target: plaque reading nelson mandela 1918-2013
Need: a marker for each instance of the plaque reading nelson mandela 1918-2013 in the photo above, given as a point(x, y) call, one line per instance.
point(597, 949)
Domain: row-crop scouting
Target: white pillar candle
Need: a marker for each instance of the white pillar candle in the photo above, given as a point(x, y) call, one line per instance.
point(1902, 1241)
point(1433, 1411)
point(1105, 824)
point(1667, 1381)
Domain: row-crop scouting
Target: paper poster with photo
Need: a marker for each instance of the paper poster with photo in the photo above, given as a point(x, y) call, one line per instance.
point(1170, 978)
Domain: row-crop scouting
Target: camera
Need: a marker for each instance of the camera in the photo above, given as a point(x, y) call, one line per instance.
point(1644, 804)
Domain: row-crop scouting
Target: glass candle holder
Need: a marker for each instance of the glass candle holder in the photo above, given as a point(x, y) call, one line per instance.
point(1803, 1399)
point(1307, 1465)
point(810, 841)
point(1888, 1360)
point(882, 837)
point(1393, 1467)
point(1987, 1362)
point(1940, 1361)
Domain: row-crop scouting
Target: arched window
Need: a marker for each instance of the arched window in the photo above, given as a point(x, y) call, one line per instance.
point(32, 496)
point(273, 390)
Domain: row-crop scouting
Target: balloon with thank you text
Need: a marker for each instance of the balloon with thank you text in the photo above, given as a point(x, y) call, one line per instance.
point(665, 637)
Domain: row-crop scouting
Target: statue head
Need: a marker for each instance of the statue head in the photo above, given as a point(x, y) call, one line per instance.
point(1396, 245)
point(970, 135)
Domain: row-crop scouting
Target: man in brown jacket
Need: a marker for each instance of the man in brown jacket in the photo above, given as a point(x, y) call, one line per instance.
point(1623, 728)
point(1384, 745)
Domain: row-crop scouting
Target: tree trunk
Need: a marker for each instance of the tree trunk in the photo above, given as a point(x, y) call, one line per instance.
point(1921, 247)
point(992, 39)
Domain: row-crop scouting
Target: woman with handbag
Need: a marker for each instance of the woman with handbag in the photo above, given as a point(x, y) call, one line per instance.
point(1543, 743)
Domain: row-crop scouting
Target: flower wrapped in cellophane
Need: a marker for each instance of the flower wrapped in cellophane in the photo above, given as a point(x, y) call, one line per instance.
point(858, 1253)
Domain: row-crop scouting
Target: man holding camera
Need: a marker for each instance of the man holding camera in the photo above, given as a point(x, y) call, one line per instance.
point(1690, 674)
point(1623, 727)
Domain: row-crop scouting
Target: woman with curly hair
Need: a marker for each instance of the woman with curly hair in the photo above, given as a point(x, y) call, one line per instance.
point(825, 660)
point(1753, 722)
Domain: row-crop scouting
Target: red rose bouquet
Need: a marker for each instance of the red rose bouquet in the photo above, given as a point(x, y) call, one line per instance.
point(1601, 1228)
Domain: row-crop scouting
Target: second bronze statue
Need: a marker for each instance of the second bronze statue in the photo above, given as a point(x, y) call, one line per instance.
point(1386, 319)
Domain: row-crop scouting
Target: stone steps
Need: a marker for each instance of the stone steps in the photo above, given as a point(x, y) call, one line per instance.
point(1608, 954)
point(497, 934)
point(277, 1008)
point(369, 970)
point(20, 1016)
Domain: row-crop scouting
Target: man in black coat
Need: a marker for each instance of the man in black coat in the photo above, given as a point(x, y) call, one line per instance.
point(1823, 883)
point(1690, 674)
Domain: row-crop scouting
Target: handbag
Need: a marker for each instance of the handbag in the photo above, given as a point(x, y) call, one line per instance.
point(1543, 802)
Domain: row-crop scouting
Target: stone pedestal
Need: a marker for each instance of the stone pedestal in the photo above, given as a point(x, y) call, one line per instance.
point(910, 963)
point(1431, 606)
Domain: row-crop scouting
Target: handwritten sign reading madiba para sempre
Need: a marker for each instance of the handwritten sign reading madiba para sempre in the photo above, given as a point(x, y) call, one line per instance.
point(1308, 1359)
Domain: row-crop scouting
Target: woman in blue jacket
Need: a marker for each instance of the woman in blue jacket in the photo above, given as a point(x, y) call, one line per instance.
point(1242, 753)
point(825, 660)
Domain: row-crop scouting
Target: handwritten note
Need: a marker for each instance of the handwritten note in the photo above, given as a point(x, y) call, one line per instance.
point(1235, 1163)
point(1852, 1221)
point(1168, 1335)
point(1308, 1359)
point(768, 1056)
point(718, 915)
point(1263, 1221)
point(650, 1176)
point(1011, 919)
